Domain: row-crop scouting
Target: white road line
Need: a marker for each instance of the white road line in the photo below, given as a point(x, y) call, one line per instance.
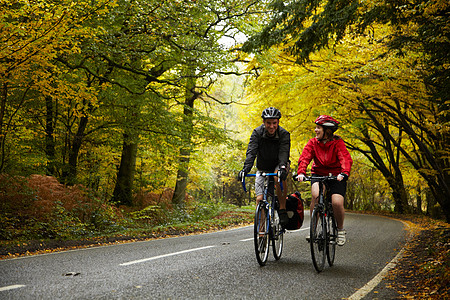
point(306, 228)
point(246, 240)
point(368, 287)
point(164, 255)
point(11, 287)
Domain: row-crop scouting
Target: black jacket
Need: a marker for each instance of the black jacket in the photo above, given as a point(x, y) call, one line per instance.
point(269, 151)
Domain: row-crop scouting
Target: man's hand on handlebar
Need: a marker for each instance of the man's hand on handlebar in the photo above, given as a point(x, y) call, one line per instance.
point(241, 175)
point(283, 173)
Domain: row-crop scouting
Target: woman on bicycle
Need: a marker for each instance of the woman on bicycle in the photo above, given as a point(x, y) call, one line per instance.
point(330, 155)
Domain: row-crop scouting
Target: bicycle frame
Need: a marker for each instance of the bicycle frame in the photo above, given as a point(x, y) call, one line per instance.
point(325, 241)
point(268, 197)
point(272, 231)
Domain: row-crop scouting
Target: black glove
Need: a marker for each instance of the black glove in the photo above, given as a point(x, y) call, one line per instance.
point(241, 175)
point(283, 173)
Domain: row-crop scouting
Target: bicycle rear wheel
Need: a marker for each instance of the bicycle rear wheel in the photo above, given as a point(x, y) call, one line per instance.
point(277, 237)
point(318, 239)
point(261, 234)
point(331, 239)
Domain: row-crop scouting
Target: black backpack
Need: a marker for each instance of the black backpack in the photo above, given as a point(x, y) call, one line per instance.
point(294, 208)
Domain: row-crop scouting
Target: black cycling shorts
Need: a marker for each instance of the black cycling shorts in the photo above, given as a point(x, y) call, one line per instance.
point(336, 187)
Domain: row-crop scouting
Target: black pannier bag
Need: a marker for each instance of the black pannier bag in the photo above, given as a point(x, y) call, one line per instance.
point(294, 208)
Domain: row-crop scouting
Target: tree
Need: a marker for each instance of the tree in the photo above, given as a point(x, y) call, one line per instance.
point(304, 27)
point(166, 38)
point(32, 35)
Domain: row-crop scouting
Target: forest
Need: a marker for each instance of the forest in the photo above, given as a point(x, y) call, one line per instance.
point(115, 112)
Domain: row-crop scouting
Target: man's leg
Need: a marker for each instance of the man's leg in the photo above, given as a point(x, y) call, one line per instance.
point(259, 188)
point(282, 213)
point(263, 216)
point(281, 194)
point(258, 198)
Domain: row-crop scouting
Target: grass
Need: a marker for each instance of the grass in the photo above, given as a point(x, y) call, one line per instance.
point(206, 219)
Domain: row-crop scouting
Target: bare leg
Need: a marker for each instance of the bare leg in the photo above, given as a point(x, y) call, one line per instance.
point(259, 198)
point(314, 196)
point(338, 209)
point(263, 217)
point(281, 194)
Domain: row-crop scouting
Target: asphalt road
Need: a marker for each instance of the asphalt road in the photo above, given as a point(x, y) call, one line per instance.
point(219, 265)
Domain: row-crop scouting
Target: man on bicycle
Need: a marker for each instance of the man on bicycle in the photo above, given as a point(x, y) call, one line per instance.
point(270, 144)
point(330, 156)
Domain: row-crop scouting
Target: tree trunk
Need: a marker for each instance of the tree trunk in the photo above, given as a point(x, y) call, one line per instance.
point(400, 195)
point(123, 191)
point(49, 138)
point(70, 172)
point(392, 174)
point(419, 199)
point(3, 98)
point(185, 151)
point(182, 178)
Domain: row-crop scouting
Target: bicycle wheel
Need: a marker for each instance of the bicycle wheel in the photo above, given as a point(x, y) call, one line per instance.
point(318, 239)
point(277, 237)
point(261, 234)
point(331, 239)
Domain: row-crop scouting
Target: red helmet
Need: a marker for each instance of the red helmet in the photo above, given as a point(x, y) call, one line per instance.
point(327, 122)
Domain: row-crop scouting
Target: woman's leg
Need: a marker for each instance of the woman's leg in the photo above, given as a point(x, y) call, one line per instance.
point(314, 196)
point(338, 209)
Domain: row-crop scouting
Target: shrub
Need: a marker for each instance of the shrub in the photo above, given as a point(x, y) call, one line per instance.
point(40, 207)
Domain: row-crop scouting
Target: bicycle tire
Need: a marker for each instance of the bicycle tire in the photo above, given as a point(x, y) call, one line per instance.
point(261, 237)
point(331, 239)
point(277, 238)
point(318, 239)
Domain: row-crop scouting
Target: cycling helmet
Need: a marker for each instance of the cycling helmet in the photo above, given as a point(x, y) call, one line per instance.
point(328, 122)
point(271, 113)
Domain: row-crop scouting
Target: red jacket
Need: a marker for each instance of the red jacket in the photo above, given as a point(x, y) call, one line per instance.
point(331, 157)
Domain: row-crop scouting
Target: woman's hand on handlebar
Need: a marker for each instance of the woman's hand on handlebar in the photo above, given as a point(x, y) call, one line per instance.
point(342, 177)
point(300, 177)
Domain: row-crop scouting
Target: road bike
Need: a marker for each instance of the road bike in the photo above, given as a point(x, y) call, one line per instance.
point(323, 227)
point(267, 229)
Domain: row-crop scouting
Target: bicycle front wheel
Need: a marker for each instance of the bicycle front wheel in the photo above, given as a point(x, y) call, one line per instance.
point(318, 239)
point(331, 239)
point(261, 234)
point(277, 237)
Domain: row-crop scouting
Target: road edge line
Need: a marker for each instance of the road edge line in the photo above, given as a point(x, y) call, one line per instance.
point(369, 286)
